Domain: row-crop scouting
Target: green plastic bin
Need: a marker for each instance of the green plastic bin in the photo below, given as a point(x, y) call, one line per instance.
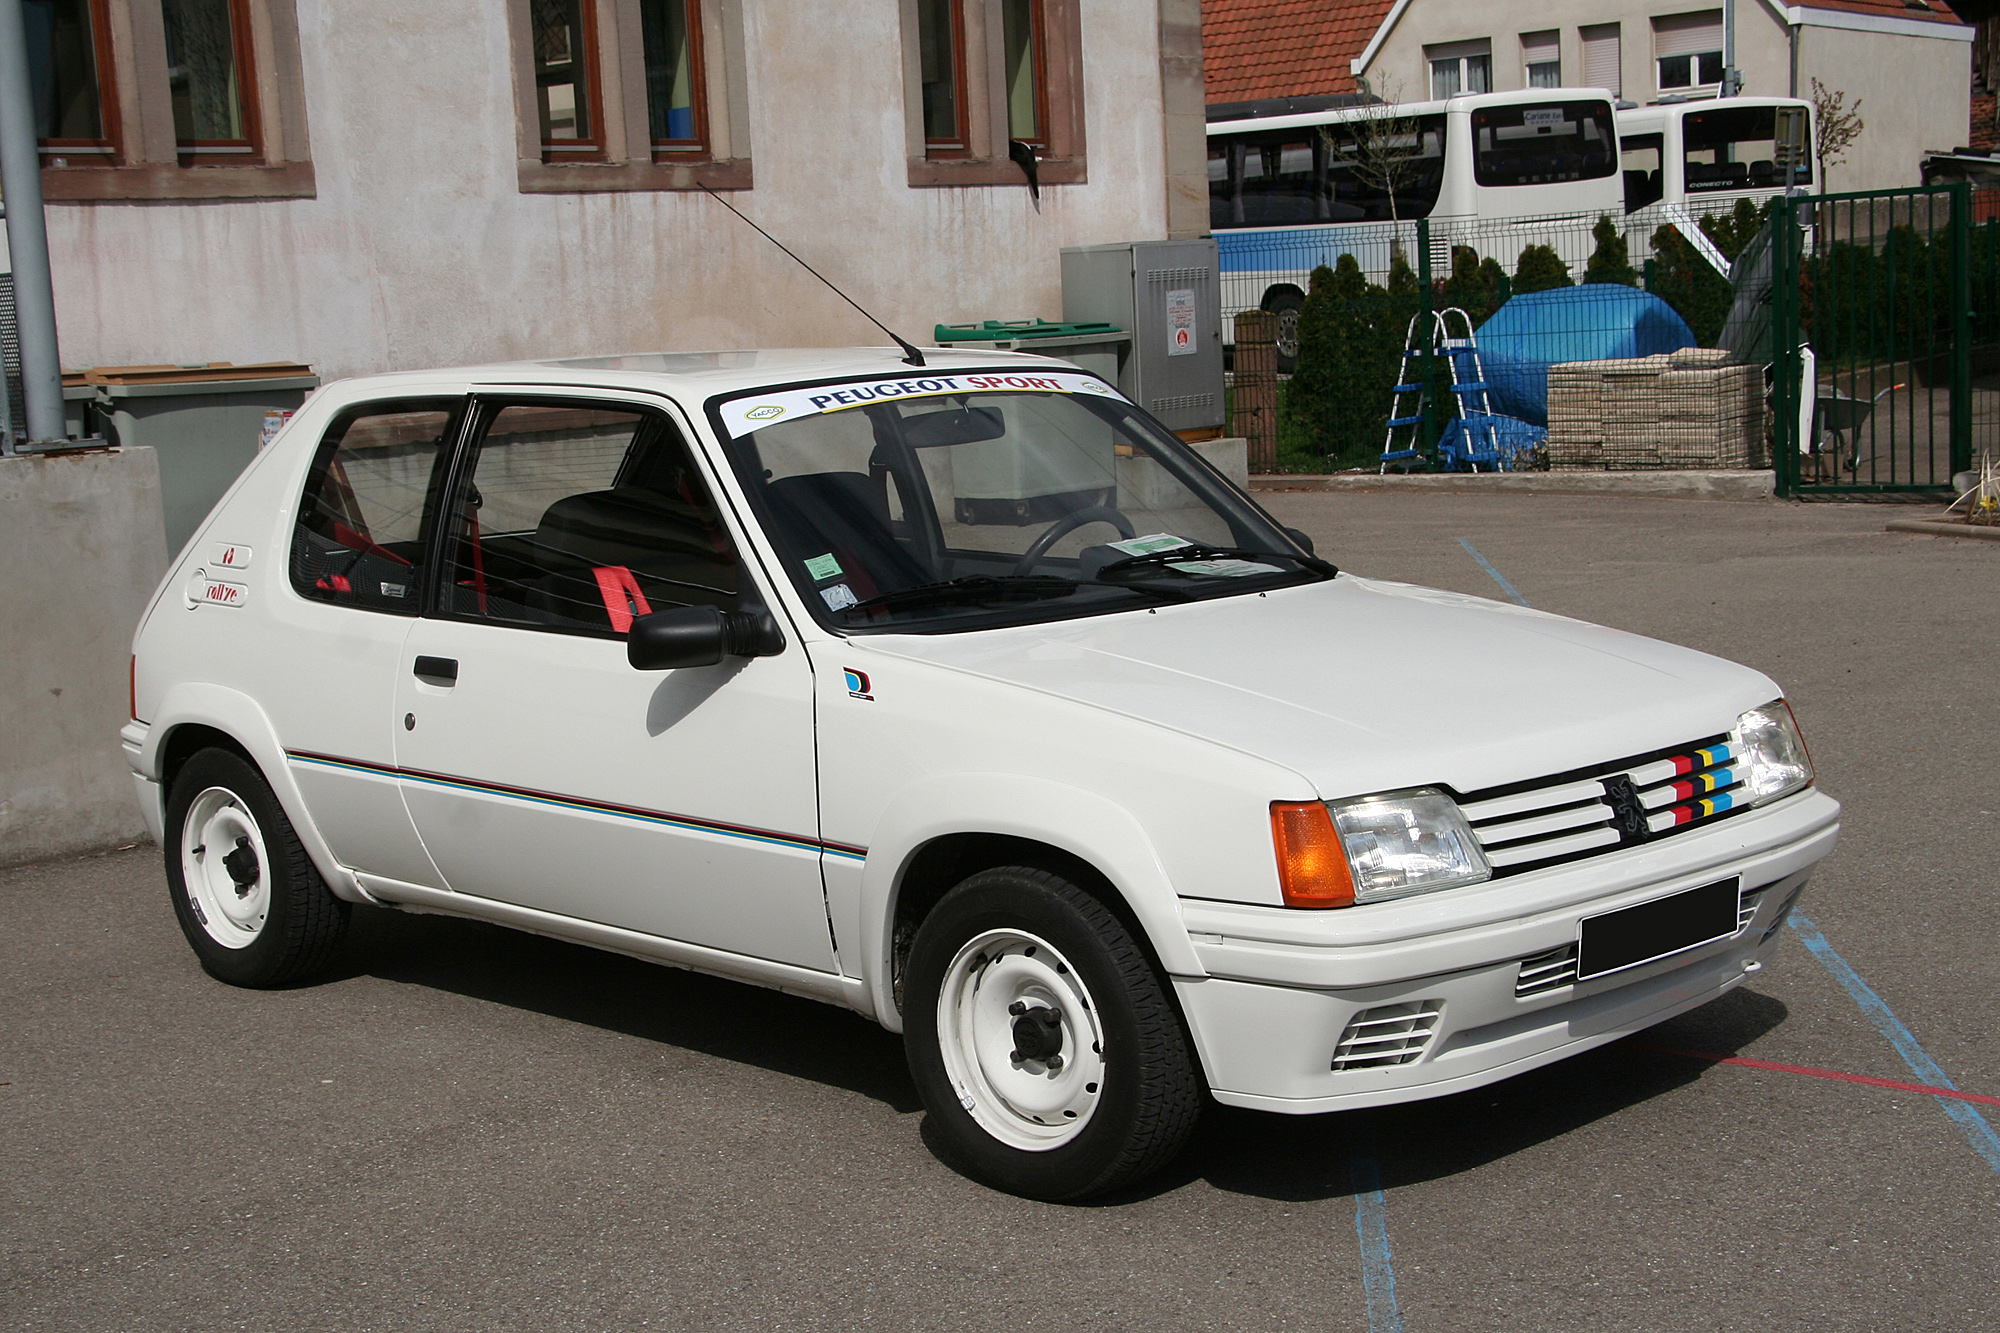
point(1100, 349)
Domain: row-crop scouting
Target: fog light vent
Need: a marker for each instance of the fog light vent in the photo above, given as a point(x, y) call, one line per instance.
point(1389, 1034)
point(1546, 972)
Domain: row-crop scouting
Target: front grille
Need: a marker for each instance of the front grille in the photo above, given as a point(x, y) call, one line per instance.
point(1389, 1034)
point(1528, 825)
point(1546, 972)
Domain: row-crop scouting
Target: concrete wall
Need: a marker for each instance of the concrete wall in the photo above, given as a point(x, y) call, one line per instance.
point(421, 250)
point(81, 541)
point(1917, 89)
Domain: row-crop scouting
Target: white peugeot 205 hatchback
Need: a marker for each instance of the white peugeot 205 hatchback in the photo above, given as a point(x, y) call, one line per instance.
point(964, 695)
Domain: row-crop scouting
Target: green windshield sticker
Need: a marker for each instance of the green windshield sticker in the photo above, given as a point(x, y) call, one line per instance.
point(1158, 541)
point(1220, 569)
point(823, 567)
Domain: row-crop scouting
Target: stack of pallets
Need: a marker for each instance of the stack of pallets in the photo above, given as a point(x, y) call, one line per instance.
point(1685, 410)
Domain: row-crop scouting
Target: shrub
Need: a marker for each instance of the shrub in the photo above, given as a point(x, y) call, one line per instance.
point(1611, 261)
point(1540, 269)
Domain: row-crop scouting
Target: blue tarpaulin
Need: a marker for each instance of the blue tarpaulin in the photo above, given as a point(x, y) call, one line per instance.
point(1595, 322)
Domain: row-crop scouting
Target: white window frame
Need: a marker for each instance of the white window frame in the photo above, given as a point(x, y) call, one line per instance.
point(1461, 54)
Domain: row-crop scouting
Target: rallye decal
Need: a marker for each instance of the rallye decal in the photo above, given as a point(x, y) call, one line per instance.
point(636, 813)
point(754, 411)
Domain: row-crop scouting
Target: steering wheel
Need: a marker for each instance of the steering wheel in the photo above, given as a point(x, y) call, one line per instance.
point(1069, 523)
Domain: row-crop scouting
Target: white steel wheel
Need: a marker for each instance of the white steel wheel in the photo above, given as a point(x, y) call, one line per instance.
point(225, 868)
point(244, 892)
point(1020, 1040)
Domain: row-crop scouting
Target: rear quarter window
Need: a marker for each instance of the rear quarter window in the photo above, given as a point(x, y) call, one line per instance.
point(360, 537)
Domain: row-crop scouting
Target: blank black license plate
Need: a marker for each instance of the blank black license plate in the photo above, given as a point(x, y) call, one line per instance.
point(1640, 934)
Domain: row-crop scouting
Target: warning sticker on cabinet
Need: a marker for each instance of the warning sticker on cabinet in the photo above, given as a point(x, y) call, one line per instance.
point(1180, 323)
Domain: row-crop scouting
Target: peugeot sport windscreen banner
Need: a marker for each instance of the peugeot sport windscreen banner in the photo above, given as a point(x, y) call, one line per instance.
point(754, 411)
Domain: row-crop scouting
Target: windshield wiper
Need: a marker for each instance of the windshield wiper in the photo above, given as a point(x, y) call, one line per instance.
point(976, 589)
point(1203, 551)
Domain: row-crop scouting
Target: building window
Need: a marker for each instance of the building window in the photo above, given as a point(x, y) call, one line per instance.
point(209, 75)
point(979, 75)
point(169, 99)
point(617, 95)
point(1687, 50)
point(1460, 68)
point(1602, 58)
point(941, 51)
point(1541, 58)
point(69, 78)
point(674, 110)
point(1022, 35)
point(566, 92)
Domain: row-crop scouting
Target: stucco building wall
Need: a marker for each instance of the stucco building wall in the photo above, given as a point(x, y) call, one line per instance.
point(420, 249)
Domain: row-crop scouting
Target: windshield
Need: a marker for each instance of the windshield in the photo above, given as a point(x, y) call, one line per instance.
point(955, 501)
point(1541, 143)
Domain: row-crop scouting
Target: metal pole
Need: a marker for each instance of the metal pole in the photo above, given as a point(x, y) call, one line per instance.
point(1732, 82)
point(28, 236)
point(1961, 330)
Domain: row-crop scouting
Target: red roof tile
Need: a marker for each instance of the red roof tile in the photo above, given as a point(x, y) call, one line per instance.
point(1254, 49)
point(1937, 11)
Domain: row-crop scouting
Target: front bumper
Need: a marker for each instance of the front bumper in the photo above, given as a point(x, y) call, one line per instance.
point(1284, 986)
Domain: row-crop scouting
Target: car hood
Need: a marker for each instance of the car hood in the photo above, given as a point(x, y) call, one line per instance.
point(1361, 685)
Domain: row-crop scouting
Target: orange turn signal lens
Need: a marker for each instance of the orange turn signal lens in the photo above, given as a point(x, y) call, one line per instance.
point(1312, 864)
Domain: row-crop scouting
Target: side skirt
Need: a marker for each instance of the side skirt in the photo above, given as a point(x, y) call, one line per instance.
point(848, 992)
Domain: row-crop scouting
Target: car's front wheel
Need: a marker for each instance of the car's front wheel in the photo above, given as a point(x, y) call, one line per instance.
point(244, 891)
point(1049, 1056)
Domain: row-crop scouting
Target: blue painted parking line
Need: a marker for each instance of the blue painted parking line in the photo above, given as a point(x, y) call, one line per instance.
point(1498, 578)
point(1972, 1124)
point(1371, 1225)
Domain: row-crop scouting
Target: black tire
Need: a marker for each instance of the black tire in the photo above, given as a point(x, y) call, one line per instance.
point(1286, 303)
point(299, 924)
point(1151, 1093)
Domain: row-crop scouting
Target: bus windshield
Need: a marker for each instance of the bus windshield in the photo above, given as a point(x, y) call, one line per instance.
point(1541, 143)
point(1745, 148)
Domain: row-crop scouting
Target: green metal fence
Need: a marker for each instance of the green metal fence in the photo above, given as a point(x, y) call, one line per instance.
point(1875, 339)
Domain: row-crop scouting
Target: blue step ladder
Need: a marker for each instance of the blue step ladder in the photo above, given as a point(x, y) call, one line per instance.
point(1408, 416)
point(1473, 440)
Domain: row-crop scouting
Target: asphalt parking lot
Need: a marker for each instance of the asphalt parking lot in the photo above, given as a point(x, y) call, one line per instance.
point(465, 1128)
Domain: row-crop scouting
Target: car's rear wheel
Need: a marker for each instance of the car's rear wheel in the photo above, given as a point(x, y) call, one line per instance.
point(1049, 1055)
point(246, 895)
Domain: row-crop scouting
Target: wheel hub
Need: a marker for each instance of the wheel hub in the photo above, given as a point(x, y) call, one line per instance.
point(242, 867)
point(1037, 1033)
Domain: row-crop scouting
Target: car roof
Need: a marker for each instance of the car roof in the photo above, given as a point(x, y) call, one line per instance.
point(704, 374)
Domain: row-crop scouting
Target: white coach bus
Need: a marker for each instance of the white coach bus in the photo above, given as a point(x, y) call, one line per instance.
point(1706, 155)
point(1290, 192)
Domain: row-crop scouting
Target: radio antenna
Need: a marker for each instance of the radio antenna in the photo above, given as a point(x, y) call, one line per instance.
point(913, 357)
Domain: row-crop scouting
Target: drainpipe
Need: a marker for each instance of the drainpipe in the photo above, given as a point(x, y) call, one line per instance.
point(28, 238)
point(1792, 31)
point(1732, 78)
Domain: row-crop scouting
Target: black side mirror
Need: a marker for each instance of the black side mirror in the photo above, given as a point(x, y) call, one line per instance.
point(1305, 542)
point(699, 636)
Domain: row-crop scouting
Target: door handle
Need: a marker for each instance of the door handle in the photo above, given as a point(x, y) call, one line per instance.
point(437, 670)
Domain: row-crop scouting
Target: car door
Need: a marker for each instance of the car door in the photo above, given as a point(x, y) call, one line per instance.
point(543, 770)
point(359, 552)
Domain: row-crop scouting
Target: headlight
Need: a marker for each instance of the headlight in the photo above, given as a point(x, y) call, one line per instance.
point(1373, 848)
point(1771, 753)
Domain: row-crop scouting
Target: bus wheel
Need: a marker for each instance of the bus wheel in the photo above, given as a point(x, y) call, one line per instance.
point(1285, 303)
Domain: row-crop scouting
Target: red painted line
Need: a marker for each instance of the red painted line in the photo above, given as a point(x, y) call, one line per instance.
point(1811, 1072)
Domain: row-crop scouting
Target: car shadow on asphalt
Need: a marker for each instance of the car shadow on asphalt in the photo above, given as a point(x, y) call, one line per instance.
point(1291, 1159)
point(686, 1010)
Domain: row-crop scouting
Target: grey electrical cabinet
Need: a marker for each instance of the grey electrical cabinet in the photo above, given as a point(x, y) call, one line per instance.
point(1169, 295)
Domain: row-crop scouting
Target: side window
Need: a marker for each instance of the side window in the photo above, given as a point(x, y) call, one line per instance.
point(579, 517)
point(360, 534)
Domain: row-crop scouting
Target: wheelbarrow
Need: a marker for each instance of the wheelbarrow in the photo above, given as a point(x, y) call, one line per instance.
point(1837, 422)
